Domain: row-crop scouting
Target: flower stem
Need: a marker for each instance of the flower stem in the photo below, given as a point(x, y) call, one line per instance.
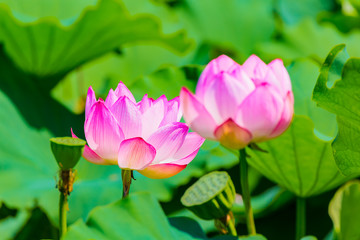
point(65, 187)
point(246, 193)
point(300, 217)
point(231, 224)
point(126, 179)
point(226, 224)
point(62, 214)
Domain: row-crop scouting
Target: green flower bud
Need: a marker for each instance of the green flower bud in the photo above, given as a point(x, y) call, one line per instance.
point(211, 197)
point(67, 151)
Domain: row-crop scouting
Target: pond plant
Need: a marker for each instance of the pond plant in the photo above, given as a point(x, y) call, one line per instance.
point(179, 119)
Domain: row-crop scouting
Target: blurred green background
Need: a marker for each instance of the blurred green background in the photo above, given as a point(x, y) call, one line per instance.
point(51, 51)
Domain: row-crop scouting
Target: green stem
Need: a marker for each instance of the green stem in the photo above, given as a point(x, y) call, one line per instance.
point(226, 224)
point(250, 223)
point(62, 214)
point(231, 224)
point(232, 229)
point(126, 179)
point(300, 217)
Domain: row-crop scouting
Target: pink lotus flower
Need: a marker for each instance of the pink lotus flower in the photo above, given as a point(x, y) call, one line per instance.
point(237, 105)
point(145, 136)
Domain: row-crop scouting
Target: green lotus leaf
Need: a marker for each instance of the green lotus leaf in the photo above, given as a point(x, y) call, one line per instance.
point(265, 203)
point(219, 25)
point(214, 23)
point(343, 210)
point(303, 74)
point(66, 12)
point(309, 39)
point(342, 99)
point(139, 216)
point(294, 11)
point(11, 225)
point(48, 45)
point(136, 66)
point(344, 23)
point(309, 238)
point(299, 161)
point(254, 237)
